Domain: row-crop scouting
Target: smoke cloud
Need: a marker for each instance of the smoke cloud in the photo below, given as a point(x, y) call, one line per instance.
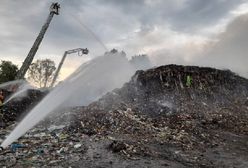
point(228, 50)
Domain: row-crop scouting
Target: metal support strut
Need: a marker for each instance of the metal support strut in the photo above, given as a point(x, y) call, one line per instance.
point(78, 50)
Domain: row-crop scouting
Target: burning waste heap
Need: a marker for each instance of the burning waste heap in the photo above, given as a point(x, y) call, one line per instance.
point(16, 108)
point(169, 116)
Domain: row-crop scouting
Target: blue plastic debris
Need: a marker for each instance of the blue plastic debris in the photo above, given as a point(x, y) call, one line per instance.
point(40, 151)
point(13, 147)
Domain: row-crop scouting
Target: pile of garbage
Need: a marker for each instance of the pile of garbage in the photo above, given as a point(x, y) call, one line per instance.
point(166, 89)
point(16, 108)
point(170, 116)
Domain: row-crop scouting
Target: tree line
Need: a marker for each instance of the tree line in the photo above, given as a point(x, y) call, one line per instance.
point(40, 73)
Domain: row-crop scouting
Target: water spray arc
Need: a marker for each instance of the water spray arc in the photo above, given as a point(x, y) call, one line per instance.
point(54, 9)
point(87, 84)
point(80, 52)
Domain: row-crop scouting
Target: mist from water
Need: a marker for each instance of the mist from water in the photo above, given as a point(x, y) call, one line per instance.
point(88, 83)
point(23, 87)
point(6, 85)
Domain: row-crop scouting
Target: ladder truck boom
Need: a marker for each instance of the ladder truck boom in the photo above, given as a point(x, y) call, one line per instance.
point(54, 9)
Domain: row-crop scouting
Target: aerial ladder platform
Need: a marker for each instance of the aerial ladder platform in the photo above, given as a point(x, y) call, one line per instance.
point(80, 52)
point(54, 10)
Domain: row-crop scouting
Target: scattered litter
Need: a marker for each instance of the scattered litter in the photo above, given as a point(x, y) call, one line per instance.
point(14, 147)
point(153, 118)
point(77, 146)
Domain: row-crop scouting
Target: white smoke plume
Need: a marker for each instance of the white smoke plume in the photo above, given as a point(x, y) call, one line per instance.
point(226, 50)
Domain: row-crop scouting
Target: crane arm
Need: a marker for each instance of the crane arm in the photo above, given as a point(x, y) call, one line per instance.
point(84, 51)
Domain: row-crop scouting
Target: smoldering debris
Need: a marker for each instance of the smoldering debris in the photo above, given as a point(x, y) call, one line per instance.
point(17, 107)
point(203, 124)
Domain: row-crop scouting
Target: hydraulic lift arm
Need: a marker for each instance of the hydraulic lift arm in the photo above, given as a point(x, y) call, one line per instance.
point(80, 52)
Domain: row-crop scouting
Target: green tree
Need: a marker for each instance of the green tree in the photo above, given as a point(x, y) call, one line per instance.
point(41, 72)
point(8, 71)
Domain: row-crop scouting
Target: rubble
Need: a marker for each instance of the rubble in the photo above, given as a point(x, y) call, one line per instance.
point(155, 120)
point(16, 108)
